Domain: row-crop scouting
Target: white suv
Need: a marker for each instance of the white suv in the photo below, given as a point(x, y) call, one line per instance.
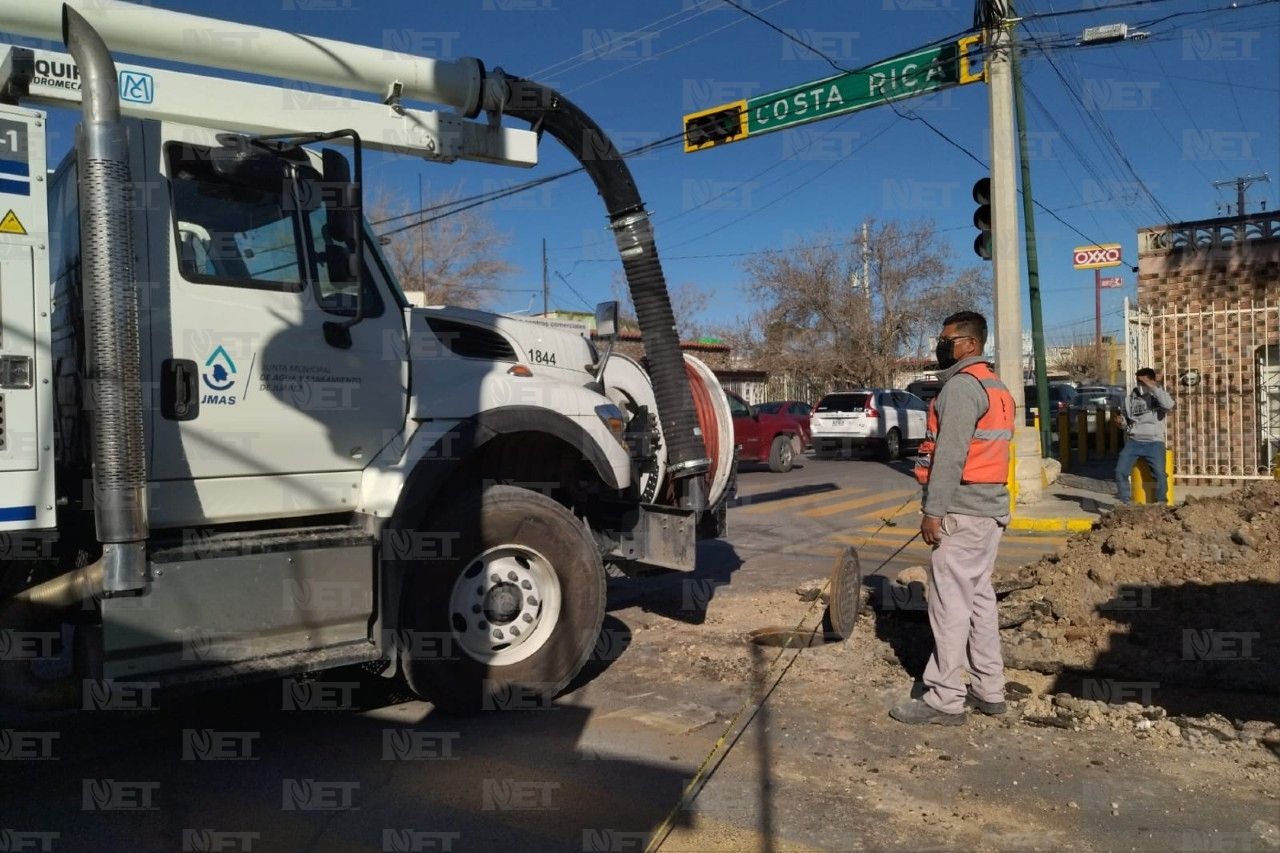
point(881, 418)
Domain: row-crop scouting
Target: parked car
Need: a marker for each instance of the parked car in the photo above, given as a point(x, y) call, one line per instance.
point(763, 436)
point(925, 389)
point(1062, 398)
point(794, 409)
point(883, 419)
point(1098, 396)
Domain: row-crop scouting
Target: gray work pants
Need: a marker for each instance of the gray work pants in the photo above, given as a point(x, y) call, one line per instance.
point(962, 614)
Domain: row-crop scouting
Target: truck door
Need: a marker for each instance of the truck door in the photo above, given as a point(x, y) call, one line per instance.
point(258, 414)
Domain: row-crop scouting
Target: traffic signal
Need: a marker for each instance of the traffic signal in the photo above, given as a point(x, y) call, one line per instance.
point(982, 218)
point(715, 126)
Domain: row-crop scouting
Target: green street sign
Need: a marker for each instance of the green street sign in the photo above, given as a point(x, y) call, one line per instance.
point(906, 76)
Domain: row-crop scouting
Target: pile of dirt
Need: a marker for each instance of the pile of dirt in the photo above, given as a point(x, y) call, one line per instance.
point(1159, 595)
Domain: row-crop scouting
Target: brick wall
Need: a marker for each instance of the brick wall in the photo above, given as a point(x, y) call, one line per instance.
point(1212, 288)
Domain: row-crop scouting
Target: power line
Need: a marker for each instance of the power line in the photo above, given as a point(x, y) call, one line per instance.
point(574, 290)
point(1106, 134)
point(779, 198)
point(666, 52)
point(469, 202)
point(1109, 7)
point(789, 36)
point(590, 55)
point(914, 116)
point(1188, 79)
point(1075, 151)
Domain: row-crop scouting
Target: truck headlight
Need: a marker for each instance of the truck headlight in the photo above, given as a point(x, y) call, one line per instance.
point(615, 420)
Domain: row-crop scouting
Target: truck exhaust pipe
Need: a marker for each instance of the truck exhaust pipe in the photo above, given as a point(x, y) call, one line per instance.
point(111, 314)
point(41, 609)
point(549, 111)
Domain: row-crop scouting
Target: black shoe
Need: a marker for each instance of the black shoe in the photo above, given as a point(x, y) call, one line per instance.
point(991, 709)
point(917, 711)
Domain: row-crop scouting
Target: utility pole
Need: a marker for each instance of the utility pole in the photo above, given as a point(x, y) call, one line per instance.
point(866, 262)
point(997, 19)
point(1033, 268)
point(1241, 184)
point(546, 290)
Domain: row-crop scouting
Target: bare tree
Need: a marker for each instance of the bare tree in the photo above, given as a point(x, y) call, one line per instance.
point(1082, 362)
point(820, 319)
point(453, 260)
point(688, 304)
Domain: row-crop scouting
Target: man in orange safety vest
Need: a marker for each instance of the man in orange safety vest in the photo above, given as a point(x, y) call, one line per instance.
point(964, 467)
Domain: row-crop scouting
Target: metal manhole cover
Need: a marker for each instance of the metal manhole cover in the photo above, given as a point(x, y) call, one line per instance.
point(845, 595)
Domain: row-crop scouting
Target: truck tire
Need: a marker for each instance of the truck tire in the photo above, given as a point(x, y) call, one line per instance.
point(891, 447)
point(513, 613)
point(782, 454)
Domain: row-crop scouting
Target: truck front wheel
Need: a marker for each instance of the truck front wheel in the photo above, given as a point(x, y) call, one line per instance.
point(512, 612)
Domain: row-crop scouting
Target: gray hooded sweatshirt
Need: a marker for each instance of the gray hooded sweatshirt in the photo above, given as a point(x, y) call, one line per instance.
point(1145, 410)
point(959, 405)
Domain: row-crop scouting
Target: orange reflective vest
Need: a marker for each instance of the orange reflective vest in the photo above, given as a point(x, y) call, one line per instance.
point(988, 459)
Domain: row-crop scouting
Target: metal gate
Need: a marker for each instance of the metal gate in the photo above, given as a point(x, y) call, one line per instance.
point(1222, 364)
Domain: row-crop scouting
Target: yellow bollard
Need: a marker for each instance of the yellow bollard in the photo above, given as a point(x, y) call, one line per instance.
point(1100, 435)
point(1138, 479)
point(1064, 441)
point(1082, 437)
point(1142, 481)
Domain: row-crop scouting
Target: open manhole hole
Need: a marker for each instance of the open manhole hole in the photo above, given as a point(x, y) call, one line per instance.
point(843, 604)
point(789, 638)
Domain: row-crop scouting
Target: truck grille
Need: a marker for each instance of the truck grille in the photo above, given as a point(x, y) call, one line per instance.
point(471, 341)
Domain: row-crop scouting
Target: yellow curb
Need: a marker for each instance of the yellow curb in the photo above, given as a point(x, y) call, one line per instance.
point(1051, 525)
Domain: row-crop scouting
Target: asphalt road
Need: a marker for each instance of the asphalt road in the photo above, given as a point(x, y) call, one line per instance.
point(822, 505)
point(600, 768)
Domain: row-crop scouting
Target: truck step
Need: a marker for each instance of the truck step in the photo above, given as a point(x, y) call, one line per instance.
point(198, 544)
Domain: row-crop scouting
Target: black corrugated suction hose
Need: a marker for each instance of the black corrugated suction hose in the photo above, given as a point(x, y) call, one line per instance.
point(548, 111)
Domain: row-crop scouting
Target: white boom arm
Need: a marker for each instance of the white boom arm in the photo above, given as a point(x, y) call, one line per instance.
point(49, 77)
point(254, 108)
point(160, 34)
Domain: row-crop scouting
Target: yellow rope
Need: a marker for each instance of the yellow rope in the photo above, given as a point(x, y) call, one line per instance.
point(698, 781)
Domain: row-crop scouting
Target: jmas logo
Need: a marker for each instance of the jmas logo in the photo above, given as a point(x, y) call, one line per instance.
point(219, 376)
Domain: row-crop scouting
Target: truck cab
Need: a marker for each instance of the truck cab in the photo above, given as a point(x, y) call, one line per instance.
point(313, 472)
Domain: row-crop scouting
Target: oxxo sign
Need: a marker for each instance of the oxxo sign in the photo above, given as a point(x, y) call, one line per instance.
point(1097, 257)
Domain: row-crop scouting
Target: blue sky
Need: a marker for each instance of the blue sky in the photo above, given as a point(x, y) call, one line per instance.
point(1196, 102)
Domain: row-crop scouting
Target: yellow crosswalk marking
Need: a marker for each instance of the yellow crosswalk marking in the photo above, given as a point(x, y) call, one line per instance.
point(891, 498)
point(800, 500)
point(1040, 543)
point(893, 537)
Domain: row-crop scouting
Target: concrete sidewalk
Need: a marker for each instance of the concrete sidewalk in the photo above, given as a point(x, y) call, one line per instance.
point(1076, 500)
point(1063, 509)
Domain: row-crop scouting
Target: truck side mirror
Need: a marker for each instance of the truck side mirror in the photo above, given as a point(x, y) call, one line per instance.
point(338, 198)
point(607, 320)
point(344, 234)
point(607, 331)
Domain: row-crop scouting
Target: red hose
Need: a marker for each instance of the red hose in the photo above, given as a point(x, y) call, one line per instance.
point(705, 407)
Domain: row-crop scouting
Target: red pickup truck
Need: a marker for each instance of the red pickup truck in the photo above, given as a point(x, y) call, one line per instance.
point(764, 437)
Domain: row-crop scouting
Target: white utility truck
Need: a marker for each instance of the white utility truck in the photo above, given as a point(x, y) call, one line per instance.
point(230, 447)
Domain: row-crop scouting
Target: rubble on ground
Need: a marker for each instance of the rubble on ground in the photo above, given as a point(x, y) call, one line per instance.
point(1158, 594)
point(1210, 730)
